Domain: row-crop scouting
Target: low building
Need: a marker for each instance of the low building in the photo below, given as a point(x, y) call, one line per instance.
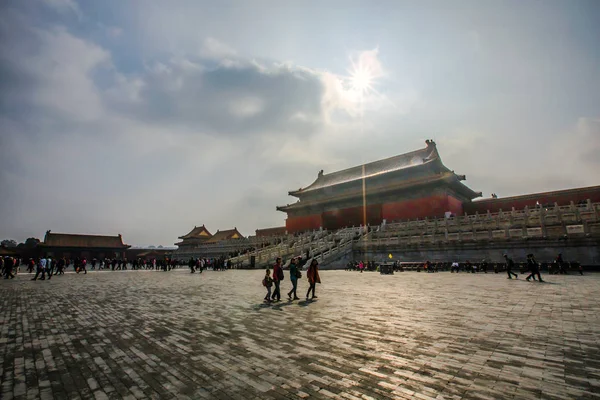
point(270, 232)
point(577, 196)
point(82, 246)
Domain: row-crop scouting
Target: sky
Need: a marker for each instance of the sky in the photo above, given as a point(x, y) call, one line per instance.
point(146, 118)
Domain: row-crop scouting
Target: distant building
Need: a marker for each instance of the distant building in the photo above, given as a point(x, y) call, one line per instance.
point(194, 238)
point(407, 186)
point(148, 254)
point(200, 243)
point(565, 197)
point(226, 235)
point(269, 232)
point(88, 246)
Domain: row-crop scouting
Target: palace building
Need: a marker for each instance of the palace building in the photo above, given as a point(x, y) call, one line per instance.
point(407, 186)
point(82, 246)
point(194, 238)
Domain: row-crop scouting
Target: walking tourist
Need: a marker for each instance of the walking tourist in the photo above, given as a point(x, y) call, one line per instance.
point(509, 265)
point(7, 266)
point(49, 267)
point(313, 278)
point(294, 275)
point(533, 267)
point(277, 278)
point(268, 283)
point(41, 267)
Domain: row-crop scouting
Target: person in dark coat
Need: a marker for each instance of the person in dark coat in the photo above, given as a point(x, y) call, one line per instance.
point(533, 267)
point(509, 266)
point(313, 278)
point(277, 278)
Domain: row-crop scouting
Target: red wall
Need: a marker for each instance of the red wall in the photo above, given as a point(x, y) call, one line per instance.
point(352, 217)
point(433, 206)
point(519, 202)
point(305, 223)
point(455, 206)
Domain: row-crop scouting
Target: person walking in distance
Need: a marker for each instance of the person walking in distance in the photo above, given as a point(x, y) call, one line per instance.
point(313, 278)
point(277, 278)
point(534, 268)
point(509, 266)
point(294, 272)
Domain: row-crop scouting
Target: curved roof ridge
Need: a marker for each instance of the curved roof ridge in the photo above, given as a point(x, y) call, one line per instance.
point(402, 161)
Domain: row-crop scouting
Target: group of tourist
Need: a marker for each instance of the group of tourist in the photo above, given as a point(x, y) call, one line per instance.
point(295, 272)
point(7, 266)
point(216, 264)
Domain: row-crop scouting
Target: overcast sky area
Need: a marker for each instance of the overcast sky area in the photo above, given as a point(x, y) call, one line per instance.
point(146, 118)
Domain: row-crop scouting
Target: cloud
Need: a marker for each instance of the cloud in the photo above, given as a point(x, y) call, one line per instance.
point(213, 49)
point(64, 6)
point(50, 71)
point(247, 98)
point(114, 31)
point(116, 152)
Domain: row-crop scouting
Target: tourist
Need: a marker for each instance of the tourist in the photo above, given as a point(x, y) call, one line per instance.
point(454, 267)
point(509, 265)
point(313, 278)
point(484, 266)
point(561, 264)
point(49, 267)
point(7, 266)
point(191, 264)
point(294, 275)
point(41, 269)
point(277, 278)
point(60, 267)
point(268, 283)
point(533, 267)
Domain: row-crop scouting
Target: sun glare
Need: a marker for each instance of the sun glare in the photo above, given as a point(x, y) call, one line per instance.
point(361, 79)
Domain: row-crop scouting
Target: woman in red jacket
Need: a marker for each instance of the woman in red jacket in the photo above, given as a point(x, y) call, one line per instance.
point(313, 278)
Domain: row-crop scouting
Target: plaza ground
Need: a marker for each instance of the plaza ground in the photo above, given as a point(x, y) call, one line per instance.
point(142, 334)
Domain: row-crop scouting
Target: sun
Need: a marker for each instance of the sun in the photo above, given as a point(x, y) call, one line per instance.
point(361, 79)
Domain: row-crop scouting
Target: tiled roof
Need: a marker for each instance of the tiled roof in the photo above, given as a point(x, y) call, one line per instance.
point(197, 232)
point(225, 235)
point(396, 163)
point(448, 178)
point(85, 241)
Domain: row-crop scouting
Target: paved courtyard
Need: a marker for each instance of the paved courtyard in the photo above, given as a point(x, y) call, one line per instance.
point(163, 335)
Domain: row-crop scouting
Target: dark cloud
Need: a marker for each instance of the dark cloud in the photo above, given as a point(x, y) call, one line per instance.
point(238, 99)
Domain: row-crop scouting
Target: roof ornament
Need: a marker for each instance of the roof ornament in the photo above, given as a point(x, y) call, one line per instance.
point(430, 142)
point(320, 174)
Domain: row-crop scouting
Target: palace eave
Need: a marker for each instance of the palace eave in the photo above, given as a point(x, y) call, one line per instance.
point(448, 178)
point(426, 158)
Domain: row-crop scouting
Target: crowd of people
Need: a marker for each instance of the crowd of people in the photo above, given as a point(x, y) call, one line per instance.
point(46, 267)
point(557, 266)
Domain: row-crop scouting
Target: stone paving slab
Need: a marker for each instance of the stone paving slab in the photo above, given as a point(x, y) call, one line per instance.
point(162, 335)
